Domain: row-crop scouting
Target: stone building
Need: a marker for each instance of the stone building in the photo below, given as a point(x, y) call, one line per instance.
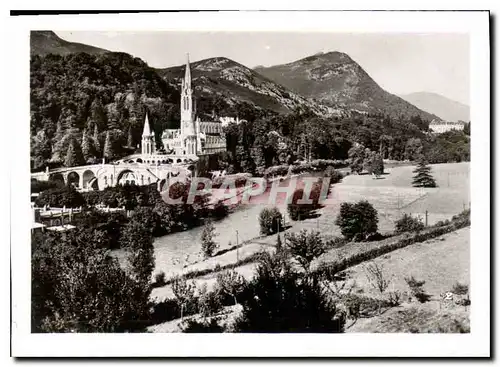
point(195, 137)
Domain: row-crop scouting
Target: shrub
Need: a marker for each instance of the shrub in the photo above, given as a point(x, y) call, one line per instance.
point(279, 300)
point(209, 303)
point(60, 196)
point(460, 289)
point(298, 211)
point(335, 176)
point(305, 246)
point(407, 223)
point(375, 275)
point(231, 283)
point(184, 292)
point(357, 219)
point(208, 245)
point(219, 210)
point(270, 221)
point(194, 326)
point(416, 288)
point(160, 280)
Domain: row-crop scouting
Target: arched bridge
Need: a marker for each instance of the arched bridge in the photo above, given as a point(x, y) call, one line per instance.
point(100, 176)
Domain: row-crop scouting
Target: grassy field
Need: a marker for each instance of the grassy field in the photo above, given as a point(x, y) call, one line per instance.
point(440, 262)
point(391, 196)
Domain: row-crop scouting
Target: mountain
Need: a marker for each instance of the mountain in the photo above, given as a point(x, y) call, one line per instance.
point(443, 107)
point(235, 83)
point(335, 80)
point(47, 42)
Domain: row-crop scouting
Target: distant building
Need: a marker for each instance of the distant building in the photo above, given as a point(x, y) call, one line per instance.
point(195, 137)
point(444, 126)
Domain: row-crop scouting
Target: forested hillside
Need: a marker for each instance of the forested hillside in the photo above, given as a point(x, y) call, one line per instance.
point(96, 103)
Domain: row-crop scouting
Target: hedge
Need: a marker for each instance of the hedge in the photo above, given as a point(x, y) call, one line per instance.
point(362, 252)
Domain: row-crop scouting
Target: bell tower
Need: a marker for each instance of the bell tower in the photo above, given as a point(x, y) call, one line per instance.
point(188, 128)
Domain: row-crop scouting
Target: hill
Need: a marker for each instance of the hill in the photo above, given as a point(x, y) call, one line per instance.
point(47, 42)
point(334, 79)
point(445, 108)
point(224, 79)
point(101, 95)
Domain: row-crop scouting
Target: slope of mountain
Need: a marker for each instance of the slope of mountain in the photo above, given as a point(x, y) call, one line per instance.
point(47, 42)
point(443, 107)
point(334, 79)
point(236, 83)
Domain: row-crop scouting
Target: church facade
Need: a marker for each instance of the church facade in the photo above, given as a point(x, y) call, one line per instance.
point(195, 137)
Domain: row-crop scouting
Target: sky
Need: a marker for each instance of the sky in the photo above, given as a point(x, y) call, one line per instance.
point(399, 63)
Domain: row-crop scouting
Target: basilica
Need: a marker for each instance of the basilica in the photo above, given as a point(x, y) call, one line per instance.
point(195, 137)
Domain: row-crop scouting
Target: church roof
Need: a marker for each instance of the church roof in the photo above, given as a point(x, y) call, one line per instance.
point(147, 128)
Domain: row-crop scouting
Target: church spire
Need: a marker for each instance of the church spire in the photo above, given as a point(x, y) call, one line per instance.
point(147, 128)
point(187, 76)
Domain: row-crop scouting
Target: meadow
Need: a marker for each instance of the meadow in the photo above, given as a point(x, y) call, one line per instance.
point(391, 196)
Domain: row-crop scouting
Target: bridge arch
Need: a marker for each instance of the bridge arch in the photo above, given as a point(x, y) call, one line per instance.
point(127, 176)
point(57, 177)
point(73, 179)
point(89, 180)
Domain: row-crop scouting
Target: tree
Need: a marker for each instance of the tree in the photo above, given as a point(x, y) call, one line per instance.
point(413, 149)
point(138, 241)
point(357, 156)
point(279, 300)
point(87, 147)
point(305, 247)
point(79, 287)
point(231, 283)
point(208, 245)
point(270, 220)
point(423, 177)
point(97, 143)
point(357, 220)
point(374, 163)
point(74, 156)
point(130, 139)
point(108, 151)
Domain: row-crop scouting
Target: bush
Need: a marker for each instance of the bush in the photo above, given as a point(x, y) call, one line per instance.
point(231, 283)
point(59, 197)
point(460, 289)
point(304, 247)
point(270, 221)
point(298, 211)
point(278, 300)
point(209, 303)
point(160, 280)
point(219, 210)
point(416, 288)
point(376, 278)
point(194, 326)
point(335, 176)
point(357, 219)
point(407, 223)
point(184, 293)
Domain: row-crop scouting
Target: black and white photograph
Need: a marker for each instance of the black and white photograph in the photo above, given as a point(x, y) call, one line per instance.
point(311, 179)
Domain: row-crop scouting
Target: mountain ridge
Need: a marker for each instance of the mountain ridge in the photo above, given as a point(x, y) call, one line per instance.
point(236, 82)
point(446, 108)
point(47, 42)
point(336, 80)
